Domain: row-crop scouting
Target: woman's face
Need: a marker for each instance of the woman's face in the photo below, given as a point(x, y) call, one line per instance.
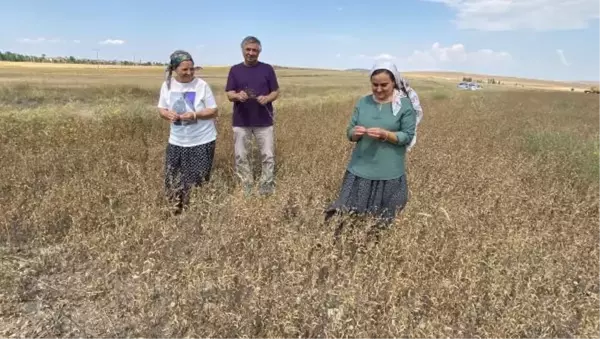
point(185, 71)
point(382, 85)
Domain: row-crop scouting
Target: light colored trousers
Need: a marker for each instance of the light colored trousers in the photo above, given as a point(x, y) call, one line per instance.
point(266, 143)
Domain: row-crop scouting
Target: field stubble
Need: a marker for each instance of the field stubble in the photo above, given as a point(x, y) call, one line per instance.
point(499, 238)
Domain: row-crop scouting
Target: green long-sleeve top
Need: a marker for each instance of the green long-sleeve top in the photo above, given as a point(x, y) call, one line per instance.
point(381, 160)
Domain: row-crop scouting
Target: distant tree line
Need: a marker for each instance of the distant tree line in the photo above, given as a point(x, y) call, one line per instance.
point(17, 57)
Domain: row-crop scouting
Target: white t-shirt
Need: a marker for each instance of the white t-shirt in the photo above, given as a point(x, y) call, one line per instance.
point(182, 98)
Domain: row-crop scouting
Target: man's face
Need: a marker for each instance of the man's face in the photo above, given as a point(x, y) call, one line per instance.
point(251, 52)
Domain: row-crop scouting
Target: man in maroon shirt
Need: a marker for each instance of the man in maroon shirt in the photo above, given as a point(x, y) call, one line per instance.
point(252, 87)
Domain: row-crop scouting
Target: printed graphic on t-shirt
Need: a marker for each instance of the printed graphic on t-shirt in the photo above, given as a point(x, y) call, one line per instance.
point(183, 102)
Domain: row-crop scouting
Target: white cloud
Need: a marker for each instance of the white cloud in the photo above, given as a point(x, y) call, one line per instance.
point(112, 42)
point(537, 15)
point(440, 57)
point(385, 56)
point(561, 56)
point(382, 56)
point(455, 57)
point(76, 41)
point(38, 40)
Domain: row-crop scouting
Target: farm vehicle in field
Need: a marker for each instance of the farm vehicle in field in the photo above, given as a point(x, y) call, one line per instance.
point(593, 90)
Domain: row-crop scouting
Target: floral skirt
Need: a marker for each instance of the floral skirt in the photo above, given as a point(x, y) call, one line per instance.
point(379, 198)
point(186, 167)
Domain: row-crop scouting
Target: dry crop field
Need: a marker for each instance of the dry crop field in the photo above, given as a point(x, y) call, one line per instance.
point(499, 238)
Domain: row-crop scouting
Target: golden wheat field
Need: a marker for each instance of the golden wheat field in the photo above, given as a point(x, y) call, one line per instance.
point(499, 237)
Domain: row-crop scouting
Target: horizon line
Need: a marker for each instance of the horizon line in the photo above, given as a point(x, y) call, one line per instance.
point(116, 63)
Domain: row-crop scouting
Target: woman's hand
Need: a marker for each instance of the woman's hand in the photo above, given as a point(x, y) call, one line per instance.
point(358, 132)
point(377, 133)
point(186, 116)
point(207, 113)
point(171, 116)
point(189, 116)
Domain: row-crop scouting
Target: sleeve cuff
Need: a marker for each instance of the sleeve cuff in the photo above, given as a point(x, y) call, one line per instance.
point(403, 138)
point(349, 133)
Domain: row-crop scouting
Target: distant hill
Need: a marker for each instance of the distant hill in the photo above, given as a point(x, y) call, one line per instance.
point(7, 56)
point(276, 67)
point(587, 82)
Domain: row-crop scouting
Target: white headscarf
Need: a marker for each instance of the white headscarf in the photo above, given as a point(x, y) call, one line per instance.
point(387, 65)
point(403, 84)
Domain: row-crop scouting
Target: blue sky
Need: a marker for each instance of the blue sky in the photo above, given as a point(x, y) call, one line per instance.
point(547, 39)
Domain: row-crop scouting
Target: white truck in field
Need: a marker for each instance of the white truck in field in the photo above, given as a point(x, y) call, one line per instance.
point(472, 86)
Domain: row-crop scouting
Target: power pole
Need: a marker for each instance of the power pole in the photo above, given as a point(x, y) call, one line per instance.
point(97, 60)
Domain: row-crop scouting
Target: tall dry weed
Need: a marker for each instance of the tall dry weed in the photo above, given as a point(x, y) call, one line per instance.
point(496, 240)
